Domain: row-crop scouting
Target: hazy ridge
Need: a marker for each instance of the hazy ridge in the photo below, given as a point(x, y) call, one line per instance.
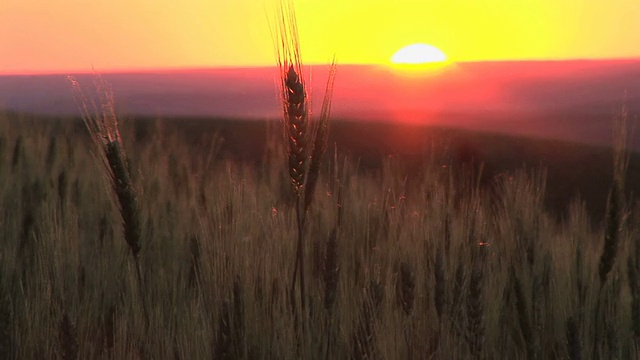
point(568, 100)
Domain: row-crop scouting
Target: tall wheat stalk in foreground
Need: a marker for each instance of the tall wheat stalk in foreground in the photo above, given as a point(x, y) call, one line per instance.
point(306, 139)
point(102, 123)
point(615, 215)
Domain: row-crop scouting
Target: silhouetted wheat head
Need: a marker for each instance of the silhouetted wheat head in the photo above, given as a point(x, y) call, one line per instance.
point(615, 218)
point(294, 97)
point(615, 202)
point(321, 138)
point(306, 141)
point(102, 123)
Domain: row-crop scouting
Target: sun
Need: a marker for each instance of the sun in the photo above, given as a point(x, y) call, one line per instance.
point(418, 54)
point(419, 57)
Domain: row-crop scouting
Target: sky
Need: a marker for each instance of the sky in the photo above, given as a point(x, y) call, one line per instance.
point(58, 36)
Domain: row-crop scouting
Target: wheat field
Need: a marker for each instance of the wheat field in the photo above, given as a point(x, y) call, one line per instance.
point(128, 241)
point(434, 266)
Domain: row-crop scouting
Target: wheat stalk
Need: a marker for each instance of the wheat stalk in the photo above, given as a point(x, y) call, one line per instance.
point(295, 102)
point(304, 158)
point(615, 216)
point(321, 139)
point(615, 201)
point(296, 124)
point(101, 121)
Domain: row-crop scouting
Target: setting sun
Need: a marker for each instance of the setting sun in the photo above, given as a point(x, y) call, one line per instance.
point(418, 54)
point(419, 59)
point(70, 35)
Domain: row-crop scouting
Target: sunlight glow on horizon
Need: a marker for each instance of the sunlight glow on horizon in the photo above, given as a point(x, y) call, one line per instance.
point(418, 54)
point(419, 60)
point(76, 35)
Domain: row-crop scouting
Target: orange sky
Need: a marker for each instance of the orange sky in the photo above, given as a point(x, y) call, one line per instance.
point(73, 35)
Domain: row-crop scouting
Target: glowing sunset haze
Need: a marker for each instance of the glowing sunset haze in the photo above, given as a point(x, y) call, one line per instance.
point(59, 36)
point(535, 68)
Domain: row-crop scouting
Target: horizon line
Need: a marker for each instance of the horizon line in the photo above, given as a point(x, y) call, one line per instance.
point(178, 69)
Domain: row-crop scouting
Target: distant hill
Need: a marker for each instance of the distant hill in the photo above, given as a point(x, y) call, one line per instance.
point(572, 169)
point(567, 100)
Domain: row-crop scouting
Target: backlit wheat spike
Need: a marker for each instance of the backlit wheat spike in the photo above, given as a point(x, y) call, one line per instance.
point(304, 157)
point(102, 123)
point(615, 215)
point(295, 109)
point(615, 202)
point(321, 138)
point(126, 195)
point(296, 121)
point(294, 97)
point(99, 117)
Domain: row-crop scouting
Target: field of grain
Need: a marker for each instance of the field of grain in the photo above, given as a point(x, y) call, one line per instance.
point(400, 264)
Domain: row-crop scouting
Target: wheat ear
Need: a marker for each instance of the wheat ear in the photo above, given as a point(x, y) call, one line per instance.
point(615, 202)
point(102, 123)
point(615, 210)
point(304, 158)
point(294, 97)
point(321, 138)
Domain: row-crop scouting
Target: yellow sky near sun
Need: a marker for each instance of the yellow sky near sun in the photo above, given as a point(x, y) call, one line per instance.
point(74, 35)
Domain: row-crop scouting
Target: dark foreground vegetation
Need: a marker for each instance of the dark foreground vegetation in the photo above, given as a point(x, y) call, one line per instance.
point(424, 254)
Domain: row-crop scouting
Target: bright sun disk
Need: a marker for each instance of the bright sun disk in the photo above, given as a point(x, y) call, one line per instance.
point(418, 54)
